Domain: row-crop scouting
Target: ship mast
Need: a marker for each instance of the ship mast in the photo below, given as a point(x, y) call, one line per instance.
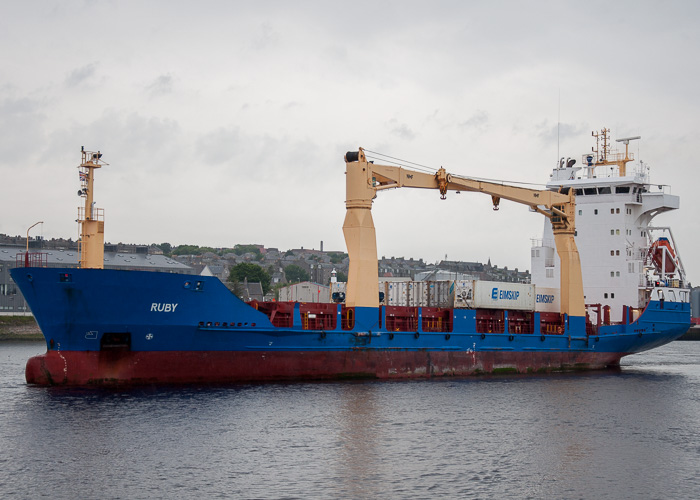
point(90, 218)
point(603, 156)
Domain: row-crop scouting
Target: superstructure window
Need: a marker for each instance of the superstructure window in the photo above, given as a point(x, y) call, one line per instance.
point(622, 189)
point(604, 190)
point(579, 192)
point(590, 191)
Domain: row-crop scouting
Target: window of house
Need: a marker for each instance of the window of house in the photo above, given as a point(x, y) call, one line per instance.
point(617, 252)
point(617, 210)
point(595, 211)
point(617, 231)
point(605, 295)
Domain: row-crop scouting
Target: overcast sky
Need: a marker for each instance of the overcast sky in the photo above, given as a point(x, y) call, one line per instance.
point(226, 122)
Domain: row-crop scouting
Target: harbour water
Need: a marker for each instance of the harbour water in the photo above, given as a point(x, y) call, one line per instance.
point(628, 433)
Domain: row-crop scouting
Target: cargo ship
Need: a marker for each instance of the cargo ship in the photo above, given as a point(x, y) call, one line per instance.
point(114, 327)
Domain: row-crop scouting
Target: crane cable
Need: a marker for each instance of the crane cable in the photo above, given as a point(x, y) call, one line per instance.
point(430, 170)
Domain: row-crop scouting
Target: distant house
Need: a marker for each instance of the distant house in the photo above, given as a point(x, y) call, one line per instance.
point(251, 291)
point(217, 270)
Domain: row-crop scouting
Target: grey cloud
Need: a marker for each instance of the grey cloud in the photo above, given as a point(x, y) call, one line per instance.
point(81, 75)
point(219, 146)
point(478, 121)
point(548, 133)
point(402, 131)
point(21, 128)
point(267, 37)
point(162, 85)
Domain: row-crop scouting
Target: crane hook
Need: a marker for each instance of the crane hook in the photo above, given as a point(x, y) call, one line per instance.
point(442, 178)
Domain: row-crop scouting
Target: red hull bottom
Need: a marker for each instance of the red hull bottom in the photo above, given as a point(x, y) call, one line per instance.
point(90, 368)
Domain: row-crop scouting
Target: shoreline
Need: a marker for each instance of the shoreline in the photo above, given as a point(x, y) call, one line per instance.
point(22, 328)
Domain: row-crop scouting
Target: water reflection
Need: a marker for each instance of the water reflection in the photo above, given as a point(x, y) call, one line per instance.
point(358, 433)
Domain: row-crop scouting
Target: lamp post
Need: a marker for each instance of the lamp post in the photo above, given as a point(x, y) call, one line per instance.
point(26, 255)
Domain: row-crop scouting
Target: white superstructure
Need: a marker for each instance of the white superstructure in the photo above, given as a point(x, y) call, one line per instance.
point(616, 238)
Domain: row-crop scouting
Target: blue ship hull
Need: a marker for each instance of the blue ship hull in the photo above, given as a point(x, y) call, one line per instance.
point(124, 327)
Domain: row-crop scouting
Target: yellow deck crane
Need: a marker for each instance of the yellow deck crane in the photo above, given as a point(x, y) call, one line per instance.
point(364, 179)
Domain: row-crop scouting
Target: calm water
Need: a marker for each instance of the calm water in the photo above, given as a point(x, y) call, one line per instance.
point(628, 434)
